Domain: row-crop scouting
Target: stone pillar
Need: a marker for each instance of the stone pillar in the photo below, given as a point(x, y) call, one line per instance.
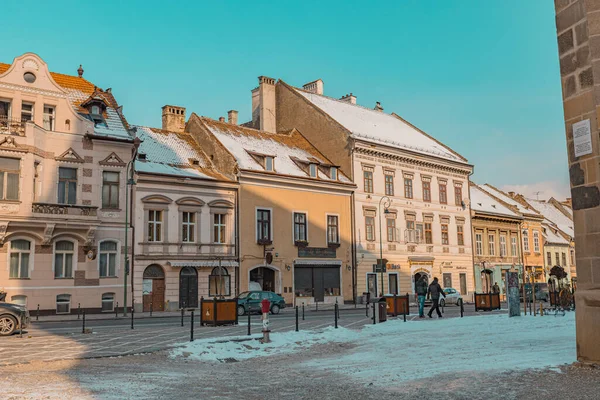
point(578, 31)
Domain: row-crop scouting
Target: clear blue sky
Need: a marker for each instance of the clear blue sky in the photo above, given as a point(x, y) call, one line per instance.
point(481, 76)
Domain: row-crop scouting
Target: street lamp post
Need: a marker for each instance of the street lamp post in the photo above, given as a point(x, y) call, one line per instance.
point(386, 205)
point(129, 170)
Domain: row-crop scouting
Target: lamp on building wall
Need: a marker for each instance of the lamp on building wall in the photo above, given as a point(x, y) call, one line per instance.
point(381, 263)
point(288, 267)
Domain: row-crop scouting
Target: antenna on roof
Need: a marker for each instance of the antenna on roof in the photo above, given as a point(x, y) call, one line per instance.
point(537, 195)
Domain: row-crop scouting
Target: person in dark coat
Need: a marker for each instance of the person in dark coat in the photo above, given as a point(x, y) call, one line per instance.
point(435, 290)
point(421, 289)
point(496, 288)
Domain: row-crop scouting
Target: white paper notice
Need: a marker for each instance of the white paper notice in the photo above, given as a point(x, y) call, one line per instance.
point(582, 138)
point(147, 286)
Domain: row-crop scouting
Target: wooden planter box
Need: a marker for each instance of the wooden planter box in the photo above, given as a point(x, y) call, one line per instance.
point(487, 301)
point(217, 312)
point(397, 305)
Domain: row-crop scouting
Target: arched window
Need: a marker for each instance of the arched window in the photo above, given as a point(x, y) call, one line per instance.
point(108, 302)
point(20, 251)
point(19, 299)
point(63, 259)
point(63, 304)
point(108, 259)
point(219, 282)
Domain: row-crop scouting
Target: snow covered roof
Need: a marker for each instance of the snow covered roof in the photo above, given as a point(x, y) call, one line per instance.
point(171, 153)
point(509, 200)
point(381, 128)
point(292, 153)
point(554, 215)
point(552, 237)
point(78, 91)
point(483, 202)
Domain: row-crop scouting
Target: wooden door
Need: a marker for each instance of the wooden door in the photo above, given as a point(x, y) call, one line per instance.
point(158, 294)
point(188, 288)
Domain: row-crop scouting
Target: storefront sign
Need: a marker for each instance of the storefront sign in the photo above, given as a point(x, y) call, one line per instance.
point(582, 138)
point(317, 252)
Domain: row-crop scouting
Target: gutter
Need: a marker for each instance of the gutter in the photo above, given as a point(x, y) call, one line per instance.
point(107, 138)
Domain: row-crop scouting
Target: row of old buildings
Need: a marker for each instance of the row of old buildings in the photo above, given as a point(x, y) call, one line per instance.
point(316, 198)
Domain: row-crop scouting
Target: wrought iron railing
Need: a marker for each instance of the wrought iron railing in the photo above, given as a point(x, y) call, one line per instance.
point(64, 209)
point(12, 126)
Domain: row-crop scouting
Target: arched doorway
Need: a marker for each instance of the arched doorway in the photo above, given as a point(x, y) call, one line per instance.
point(188, 288)
point(153, 288)
point(417, 276)
point(265, 277)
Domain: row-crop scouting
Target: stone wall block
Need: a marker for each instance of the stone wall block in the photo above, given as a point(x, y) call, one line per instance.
point(592, 5)
point(585, 197)
point(569, 16)
point(586, 78)
point(582, 104)
point(593, 23)
point(581, 34)
point(560, 4)
point(565, 42)
point(569, 86)
point(579, 223)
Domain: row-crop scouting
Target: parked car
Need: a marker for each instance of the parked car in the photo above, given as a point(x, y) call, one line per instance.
point(452, 297)
point(9, 318)
point(250, 301)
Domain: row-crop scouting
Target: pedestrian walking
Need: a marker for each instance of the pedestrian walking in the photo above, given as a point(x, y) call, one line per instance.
point(421, 289)
point(435, 290)
point(496, 288)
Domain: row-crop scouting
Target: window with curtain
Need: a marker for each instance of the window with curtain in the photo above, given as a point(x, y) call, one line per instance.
point(219, 228)
point(219, 282)
point(408, 188)
point(368, 181)
point(110, 189)
point(479, 244)
point(513, 246)
point(63, 259)
point(67, 185)
point(333, 235)
point(188, 226)
point(426, 191)
point(9, 178)
point(460, 235)
point(536, 241)
point(20, 252)
point(389, 185)
point(445, 239)
point(370, 228)
point(391, 229)
point(263, 225)
point(443, 193)
point(300, 227)
point(108, 259)
point(526, 240)
point(491, 245)
point(154, 225)
point(502, 246)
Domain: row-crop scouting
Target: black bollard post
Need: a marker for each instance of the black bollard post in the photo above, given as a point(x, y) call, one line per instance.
point(117, 311)
point(249, 321)
point(296, 318)
point(367, 309)
point(37, 316)
point(83, 326)
point(78, 310)
point(317, 305)
point(151, 309)
point(192, 327)
point(302, 311)
point(132, 311)
point(182, 312)
point(405, 307)
point(201, 317)
point(338, 309)
point(336, 315)
point(374, 310)
point(462, 309)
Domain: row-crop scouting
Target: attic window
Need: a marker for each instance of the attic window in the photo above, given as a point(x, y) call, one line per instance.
point(269, 163)
point(333, 173)
point(312, 169)
point(95, 110)
point(142, 156)
point(29, 77)
point(194, 161)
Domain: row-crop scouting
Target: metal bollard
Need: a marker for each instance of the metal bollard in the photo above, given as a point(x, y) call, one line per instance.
point(317, 305)
point(117, 311)
point(182, 312)
point(336, 315)
point(37, 316)
point(132, 312)
point(374, 310)
point(302, 311)
point(78, 310)
point(406, 307)
point(249, 318)
point(296, 318)
point(83, 325)
point(367, 309)
point(151, 308)
point(462, 309)
point(338, 309)
point(192, 327)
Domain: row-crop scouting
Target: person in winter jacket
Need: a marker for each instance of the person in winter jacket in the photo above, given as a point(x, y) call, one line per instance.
point(496, 288)
point(435, 290)
point(421, 289)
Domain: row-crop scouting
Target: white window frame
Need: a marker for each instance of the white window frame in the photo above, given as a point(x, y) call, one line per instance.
point(30, 252)
point(313, 170)
point(491, 244)
point(294, 212)
point(117, 258)
point(74, 259)
point(272, 166)
point(478, 244)
point(32, 113)
point(503, 246)
point(63, 302)
point(118, 185)
point(397, 282)
point(270, 209)
point(155, 223)
point(222, 224)
point(526, 240)
point(49, 118)
point(16, 299)
point(112, 302)
point(4, 180)
point(337, 216)
point(536, 241)
point(333, 173)
point(191, 227)
point(513, 246)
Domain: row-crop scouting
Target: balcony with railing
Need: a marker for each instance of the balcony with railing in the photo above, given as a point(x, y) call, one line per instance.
point(12, 126)
point(64, 209)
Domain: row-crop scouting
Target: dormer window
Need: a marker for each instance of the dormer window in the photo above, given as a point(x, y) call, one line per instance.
point(333, 173)
point(142, 156)
point(312, 170)
point(269, 164)
point(95, 110)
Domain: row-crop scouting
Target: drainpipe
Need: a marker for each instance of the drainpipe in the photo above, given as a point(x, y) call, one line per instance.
point(353, 237)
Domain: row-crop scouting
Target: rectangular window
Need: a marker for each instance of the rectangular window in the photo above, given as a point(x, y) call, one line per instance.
point(460, 235)
point(333, 173)
point(63, 304)
point(67, 185)
point(526, 240)
point(333, 235)
point(426, 191)
point(188, 226)
point(219, 283)
point(458, 195)
point(463, 283)
point(428, 233)
point(49, 117)
point(300, 234)
point(370, 228)
point(9, 178)
point(557, 257)
point(447, 278)
point(549, 258)
point(393, 284)
point(313, 170)
point(19, 258)
point(443, 194)
point(368, 181)
point(110, 189)
point(108, 301)
point(492, 245)
point(513, 246)
point(263, 225)
point(445, 234)
point(408, 188)
point(26, 112)
point(479, 244)
point(219, 228)
point(564, 260)
point(391, 229)
point(63, 259)
point(372, 284)
point(502, 246)
point(269, 165)
point(389, 185)
point(154, 225)
point(420, 233)
point(536, 241)
point(108, 259)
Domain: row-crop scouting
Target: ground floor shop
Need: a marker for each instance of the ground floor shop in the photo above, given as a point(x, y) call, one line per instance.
point(488, 274)
point(172, 285)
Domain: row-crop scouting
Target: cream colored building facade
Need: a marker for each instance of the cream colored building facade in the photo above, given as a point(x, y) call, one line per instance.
point(427, 228)
point(64, 146)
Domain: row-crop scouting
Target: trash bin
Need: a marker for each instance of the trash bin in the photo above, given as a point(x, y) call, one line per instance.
point(382, 305)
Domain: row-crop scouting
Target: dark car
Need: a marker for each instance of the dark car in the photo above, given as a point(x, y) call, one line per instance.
point(250, 302)
point(10, 315)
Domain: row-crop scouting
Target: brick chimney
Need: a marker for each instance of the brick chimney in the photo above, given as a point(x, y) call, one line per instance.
point(173, 118)
point(511, 194)
point(232, 117)
point(263, 105)
point(349, 98)
point(315, 87)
